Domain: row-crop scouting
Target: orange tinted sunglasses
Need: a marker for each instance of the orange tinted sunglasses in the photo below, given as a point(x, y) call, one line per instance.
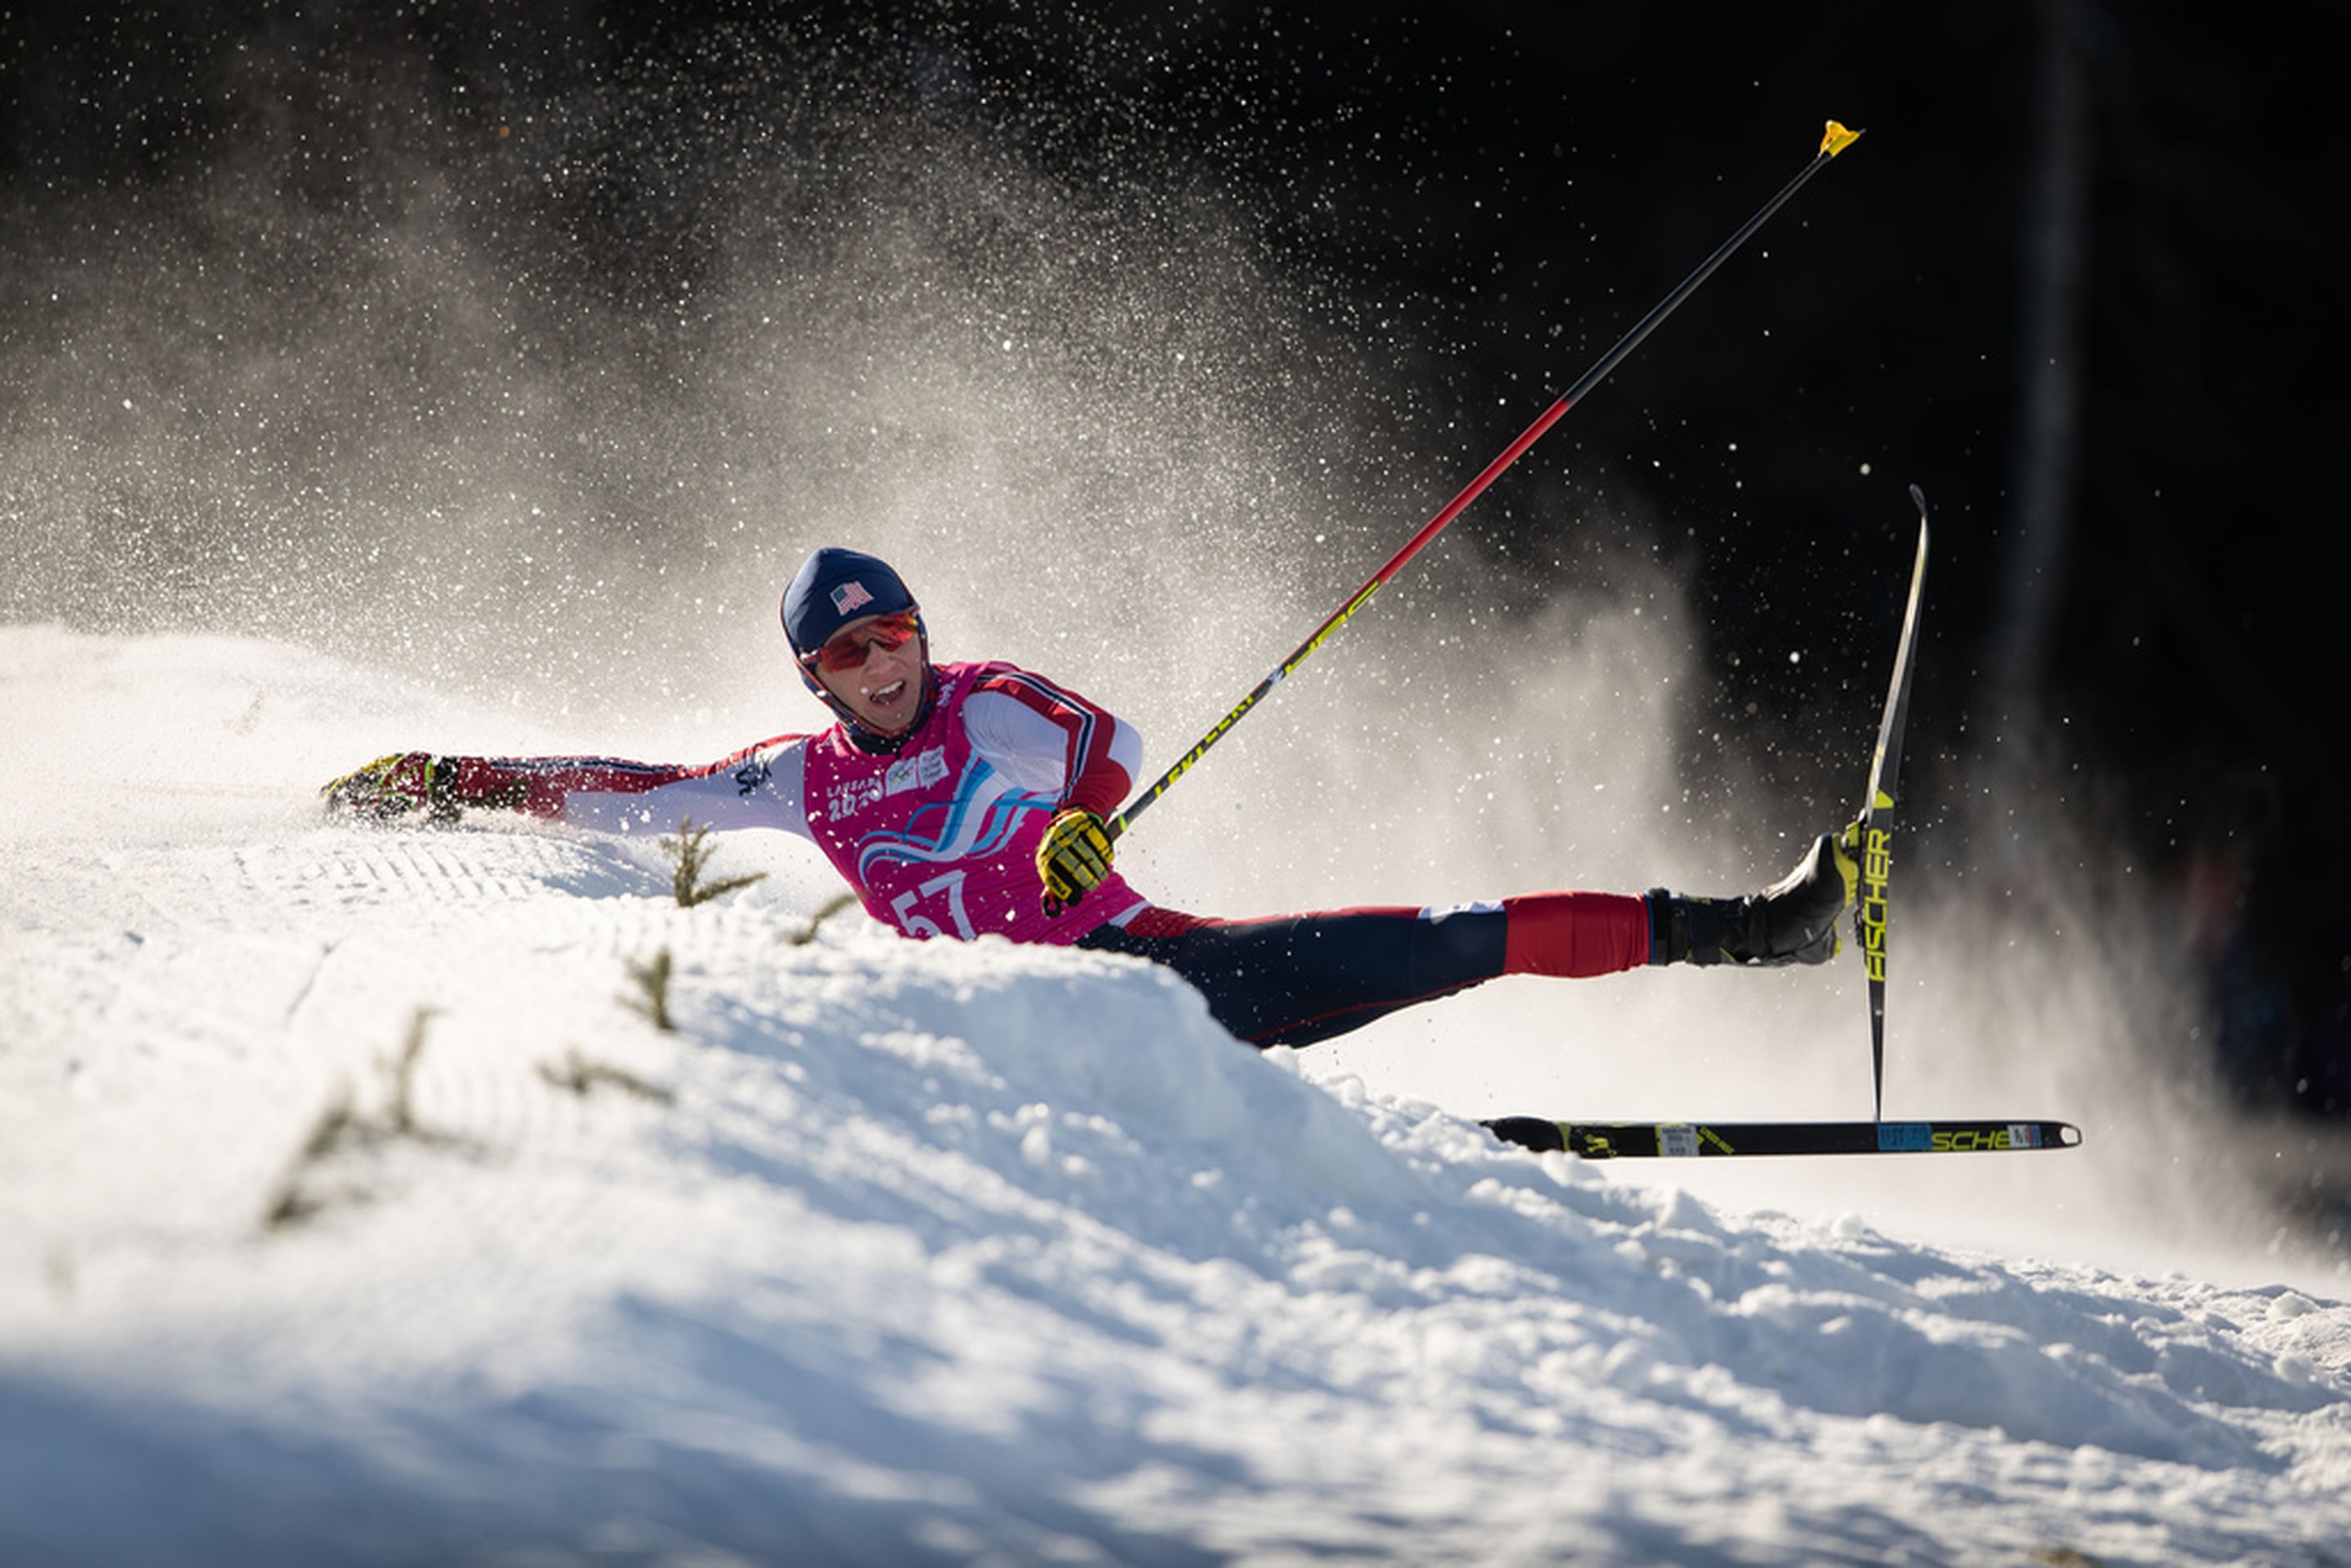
point(847, 649)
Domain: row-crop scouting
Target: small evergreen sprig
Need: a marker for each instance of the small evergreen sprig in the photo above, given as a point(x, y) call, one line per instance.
point(340, 1125)
point(688, 857)
point(802, 936)
point(581, 1076)
point(653, 978)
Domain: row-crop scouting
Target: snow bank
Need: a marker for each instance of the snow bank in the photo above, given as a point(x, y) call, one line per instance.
point(348, 1212)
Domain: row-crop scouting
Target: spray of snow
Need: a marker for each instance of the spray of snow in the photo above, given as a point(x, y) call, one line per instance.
point(540, 407)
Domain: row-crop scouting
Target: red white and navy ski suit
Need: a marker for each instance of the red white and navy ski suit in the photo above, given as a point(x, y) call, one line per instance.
point(938, 837)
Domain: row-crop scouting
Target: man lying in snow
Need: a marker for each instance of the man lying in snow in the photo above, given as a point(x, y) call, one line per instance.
point(965, 799)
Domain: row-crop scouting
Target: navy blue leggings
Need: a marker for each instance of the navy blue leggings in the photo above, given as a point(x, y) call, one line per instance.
point(1294, 979)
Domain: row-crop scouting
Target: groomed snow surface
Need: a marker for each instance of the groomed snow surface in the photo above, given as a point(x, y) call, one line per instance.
point(900, 1253)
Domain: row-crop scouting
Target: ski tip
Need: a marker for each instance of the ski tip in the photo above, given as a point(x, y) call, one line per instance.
point(1919, 499)
point(1837, 139)
point(1528, 1133)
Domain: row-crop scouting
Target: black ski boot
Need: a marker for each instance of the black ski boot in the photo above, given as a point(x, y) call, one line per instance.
point(1794, 921)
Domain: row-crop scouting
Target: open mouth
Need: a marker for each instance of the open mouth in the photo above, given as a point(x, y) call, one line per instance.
point(888, 695)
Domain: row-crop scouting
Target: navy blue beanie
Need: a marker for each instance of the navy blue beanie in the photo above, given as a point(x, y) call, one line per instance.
point(834, 587)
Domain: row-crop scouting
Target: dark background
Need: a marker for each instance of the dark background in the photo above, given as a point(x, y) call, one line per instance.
point(2071, 282)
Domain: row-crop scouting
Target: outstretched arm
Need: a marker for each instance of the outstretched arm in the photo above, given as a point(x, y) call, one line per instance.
point(757, 787)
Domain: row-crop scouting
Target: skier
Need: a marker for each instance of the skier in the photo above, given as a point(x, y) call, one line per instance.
point(965, 800)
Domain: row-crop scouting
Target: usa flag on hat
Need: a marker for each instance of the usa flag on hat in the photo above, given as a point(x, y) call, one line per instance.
point(834, 587)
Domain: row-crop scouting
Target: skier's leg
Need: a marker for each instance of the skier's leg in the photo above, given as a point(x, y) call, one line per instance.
point(1296, 979)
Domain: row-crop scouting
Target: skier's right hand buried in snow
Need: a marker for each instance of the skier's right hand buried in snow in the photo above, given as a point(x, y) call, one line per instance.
point(1071, 858)
point(391, 787)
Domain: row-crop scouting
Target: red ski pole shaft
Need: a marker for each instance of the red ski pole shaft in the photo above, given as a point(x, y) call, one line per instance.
point(1835, 141)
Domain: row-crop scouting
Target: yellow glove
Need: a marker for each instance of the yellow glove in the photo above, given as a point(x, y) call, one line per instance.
point(1073, 856)
point(396, 784)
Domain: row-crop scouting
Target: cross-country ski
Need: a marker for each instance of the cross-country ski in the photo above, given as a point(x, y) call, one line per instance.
point(1715, 1140)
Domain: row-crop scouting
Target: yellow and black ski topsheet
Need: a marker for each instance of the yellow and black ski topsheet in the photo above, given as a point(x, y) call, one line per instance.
point(1703, 1140)
point(1870, 839)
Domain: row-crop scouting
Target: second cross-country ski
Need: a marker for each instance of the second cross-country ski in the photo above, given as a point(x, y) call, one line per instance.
point(1672, 1140)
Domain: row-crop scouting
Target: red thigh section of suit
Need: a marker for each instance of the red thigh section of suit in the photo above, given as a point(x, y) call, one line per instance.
point(1575, 934)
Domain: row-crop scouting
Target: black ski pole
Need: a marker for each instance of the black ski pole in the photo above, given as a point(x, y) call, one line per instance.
point(1834, 141)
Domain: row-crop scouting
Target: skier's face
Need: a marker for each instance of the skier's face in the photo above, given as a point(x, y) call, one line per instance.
point(885, 687)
